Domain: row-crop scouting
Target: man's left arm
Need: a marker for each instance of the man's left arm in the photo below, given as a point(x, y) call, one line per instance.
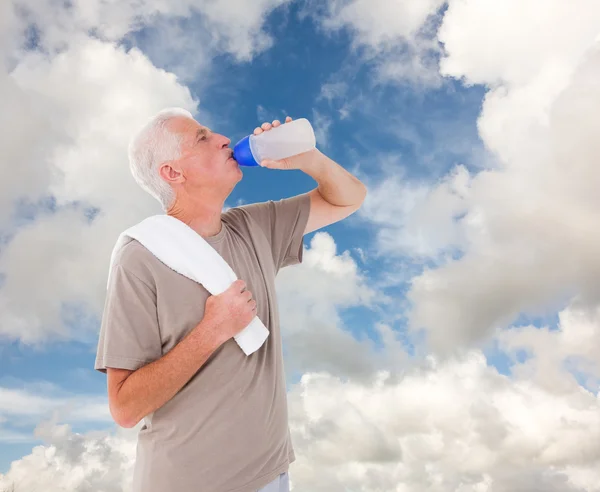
point(339, 193)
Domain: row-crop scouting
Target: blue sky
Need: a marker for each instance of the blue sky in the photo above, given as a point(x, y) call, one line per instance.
point(288, 79)
point(475, 236)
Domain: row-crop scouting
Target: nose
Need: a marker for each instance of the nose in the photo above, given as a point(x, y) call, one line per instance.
point(224, 141)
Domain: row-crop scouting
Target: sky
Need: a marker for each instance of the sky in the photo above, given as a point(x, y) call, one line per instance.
point(445, 337)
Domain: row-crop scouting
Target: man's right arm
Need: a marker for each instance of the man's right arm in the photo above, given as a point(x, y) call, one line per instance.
point(134, 394)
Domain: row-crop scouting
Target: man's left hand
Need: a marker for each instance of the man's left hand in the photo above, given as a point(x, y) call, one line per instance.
point(293, 162)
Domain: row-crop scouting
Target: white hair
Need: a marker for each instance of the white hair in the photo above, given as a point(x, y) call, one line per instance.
point(153, 145)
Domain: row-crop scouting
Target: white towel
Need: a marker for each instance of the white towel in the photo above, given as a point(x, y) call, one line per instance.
point(185, 251)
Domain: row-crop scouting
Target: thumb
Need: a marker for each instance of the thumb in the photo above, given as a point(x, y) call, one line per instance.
point(238, 285)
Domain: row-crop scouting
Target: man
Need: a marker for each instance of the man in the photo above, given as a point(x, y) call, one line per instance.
point(215, 420)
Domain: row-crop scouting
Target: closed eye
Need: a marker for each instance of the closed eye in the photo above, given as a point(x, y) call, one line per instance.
point(202, 134)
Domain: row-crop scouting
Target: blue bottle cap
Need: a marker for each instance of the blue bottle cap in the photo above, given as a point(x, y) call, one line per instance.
point(242, 153)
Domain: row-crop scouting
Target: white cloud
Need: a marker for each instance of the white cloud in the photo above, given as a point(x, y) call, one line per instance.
point(457, 425)
point(238, 25)
point(263, 114)
point(333, 90)
point(267, 115)
point(321, 124)
point(525, 223)
point(574, 344)
point(22, 125)
point(311, 297)
point(234, 26)
point(110, 93)
point(416, 219)
point(452, 425)
point(72, 104)
point(528, 234)
point(30, 405)
point(22, 408)
point(72, 462)
point(397, 36)
point(7, 29)
point(541, 44)
point(381, 24)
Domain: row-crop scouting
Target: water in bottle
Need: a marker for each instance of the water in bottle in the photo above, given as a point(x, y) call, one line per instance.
point(283, 141)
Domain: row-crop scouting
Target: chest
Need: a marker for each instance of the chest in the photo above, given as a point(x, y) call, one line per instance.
point(181, 301)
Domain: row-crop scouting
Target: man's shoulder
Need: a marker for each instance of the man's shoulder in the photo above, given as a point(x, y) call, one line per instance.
point(245, 213)
point(270, 213)
point(245, 208)
point(136, 259)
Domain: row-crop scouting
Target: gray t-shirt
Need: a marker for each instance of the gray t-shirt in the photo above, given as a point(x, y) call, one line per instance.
point(227, 429)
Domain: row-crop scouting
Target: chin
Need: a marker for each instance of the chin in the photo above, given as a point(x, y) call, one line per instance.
point(234, 181)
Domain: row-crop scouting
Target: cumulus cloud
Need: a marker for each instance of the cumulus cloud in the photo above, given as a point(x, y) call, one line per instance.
point(529, 223)
point(321, 124)
point(99, 461)
point(440, 425)
point(556, 358)
point(22, 408)
point(73, 95)
point(516, 235)
point(361, 418)
point(109, 95)
point(456, 425)
point(398, 37)
point(416, 219)
point(35, 402)
point(312, 297)
point(333, 90)
point(538, 46)
point(235, 26)
point(238, 25)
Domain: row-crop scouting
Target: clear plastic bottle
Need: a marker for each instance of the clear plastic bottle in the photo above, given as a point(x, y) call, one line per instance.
point(286, 140)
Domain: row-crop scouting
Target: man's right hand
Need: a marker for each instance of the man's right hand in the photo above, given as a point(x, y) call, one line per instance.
point(134, 394)
point(230, 312)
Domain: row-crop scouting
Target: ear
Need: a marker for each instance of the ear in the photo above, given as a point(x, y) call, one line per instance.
point(170, 174)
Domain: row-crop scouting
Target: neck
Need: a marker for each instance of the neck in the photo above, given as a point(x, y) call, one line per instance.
point(202, 215)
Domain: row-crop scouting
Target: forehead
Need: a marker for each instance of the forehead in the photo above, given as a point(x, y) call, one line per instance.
point(185, 126)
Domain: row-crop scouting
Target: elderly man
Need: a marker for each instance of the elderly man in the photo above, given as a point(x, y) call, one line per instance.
point(215, 420)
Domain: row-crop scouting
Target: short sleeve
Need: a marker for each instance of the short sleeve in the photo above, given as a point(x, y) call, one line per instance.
point(129, 333)
point(283, 222)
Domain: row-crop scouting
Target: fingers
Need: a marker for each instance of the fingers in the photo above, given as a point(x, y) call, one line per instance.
point(267, 126)
point(252, 303)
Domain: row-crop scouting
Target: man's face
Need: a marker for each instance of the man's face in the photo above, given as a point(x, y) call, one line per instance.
point(206, 159)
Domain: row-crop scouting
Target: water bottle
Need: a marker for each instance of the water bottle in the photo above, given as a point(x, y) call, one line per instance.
point(286, 140)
